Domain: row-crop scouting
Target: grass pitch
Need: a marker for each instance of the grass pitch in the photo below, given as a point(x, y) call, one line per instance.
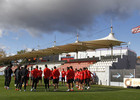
point(95, 93)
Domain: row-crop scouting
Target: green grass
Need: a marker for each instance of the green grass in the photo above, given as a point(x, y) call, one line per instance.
point(95, 93)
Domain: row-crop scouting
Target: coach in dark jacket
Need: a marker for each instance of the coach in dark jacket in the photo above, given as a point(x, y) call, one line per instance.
point(24, 73)
point(8, 72)
point(18, 78)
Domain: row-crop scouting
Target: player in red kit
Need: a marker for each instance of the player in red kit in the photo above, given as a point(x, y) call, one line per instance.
point(51, 77)
point(88, 78)
point(72, 73)
point(68, 78)
point(35, 74)
point(76, 78)
point(63, 73)
point(56, 75)
point(81, 79)
point(47, 74)
point(28, 76)
point(40, 76)
point(85, 77)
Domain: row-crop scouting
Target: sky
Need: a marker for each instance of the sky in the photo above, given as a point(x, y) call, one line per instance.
point(35, 24)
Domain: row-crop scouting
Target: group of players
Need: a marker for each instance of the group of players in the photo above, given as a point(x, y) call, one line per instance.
point(81, 77)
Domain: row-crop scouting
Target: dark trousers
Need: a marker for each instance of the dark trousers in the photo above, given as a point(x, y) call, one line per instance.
point(7, 81)
point(18, 83)
point(23, 80)
point(87, 81)
point(35, 80)
point(46, 82)
point(16, 80)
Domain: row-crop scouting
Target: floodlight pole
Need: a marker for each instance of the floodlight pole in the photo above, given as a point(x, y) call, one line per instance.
point(55, 41)
point(111, 44)
point(111, 52)
point(77, 42)
point(76, 54)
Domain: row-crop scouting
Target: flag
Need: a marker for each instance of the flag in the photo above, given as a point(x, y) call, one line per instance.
point(136, 29)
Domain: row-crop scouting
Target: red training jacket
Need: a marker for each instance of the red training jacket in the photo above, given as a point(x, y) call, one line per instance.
point(63, 73)
point(55, 74)
point(35, 73)
point(47, 73)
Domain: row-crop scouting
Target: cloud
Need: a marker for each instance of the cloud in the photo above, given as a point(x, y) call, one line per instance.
point(1, 33)
point(3, 47)
point(65, 16)
point(10, 54)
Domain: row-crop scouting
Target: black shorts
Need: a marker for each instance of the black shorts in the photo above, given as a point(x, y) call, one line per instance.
point(46, 80)
point(81, 81)
point(76, 80)
point(31, 78)
point(55, 81)
point(40, 78)
point(51, 78)
point(35, 80)
point(27, 78)
point(86, 80)
point(69, 81)
point(63, 79)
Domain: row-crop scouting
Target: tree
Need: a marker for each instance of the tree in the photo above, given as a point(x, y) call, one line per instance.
point(2, 53)
point(21, 52)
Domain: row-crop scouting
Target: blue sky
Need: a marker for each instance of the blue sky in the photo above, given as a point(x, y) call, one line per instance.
point(13, 41)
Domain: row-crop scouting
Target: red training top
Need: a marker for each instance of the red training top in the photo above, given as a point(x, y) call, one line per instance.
point(28, 73)
point(55, 74)
point(89, 74)
point(40, 73)
point(47, 73)
point(85, 74)
point(35, 73)
point(68, 74)
point(72, 73)
point(76, 75)
point(81, 75)
point(63, 73)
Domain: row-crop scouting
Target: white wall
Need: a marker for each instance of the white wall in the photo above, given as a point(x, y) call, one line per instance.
point(96, 53)
point(103, 76)
point(117, 84)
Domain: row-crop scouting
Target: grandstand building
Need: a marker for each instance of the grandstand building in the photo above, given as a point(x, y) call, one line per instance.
point(110, 65)
point(102, 63)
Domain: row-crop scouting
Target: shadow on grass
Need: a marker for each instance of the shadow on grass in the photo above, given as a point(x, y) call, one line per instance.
point(93, 88)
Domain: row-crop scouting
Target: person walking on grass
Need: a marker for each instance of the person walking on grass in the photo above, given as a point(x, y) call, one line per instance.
point(5, 74)
point(35, 73)
point(24, 73)
point(51, 77)
point(47, 74)
point(40, 76)
point(56, 75)
point(81, 79)
point(72, 73)
point(8, 72)
point(28, 75)
point(63, 73)
point(68, 78)
point(18, 78)
point(76, 79)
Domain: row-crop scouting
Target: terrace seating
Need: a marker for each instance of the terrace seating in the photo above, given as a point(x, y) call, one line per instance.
point(100, 66)
point(75, 65)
